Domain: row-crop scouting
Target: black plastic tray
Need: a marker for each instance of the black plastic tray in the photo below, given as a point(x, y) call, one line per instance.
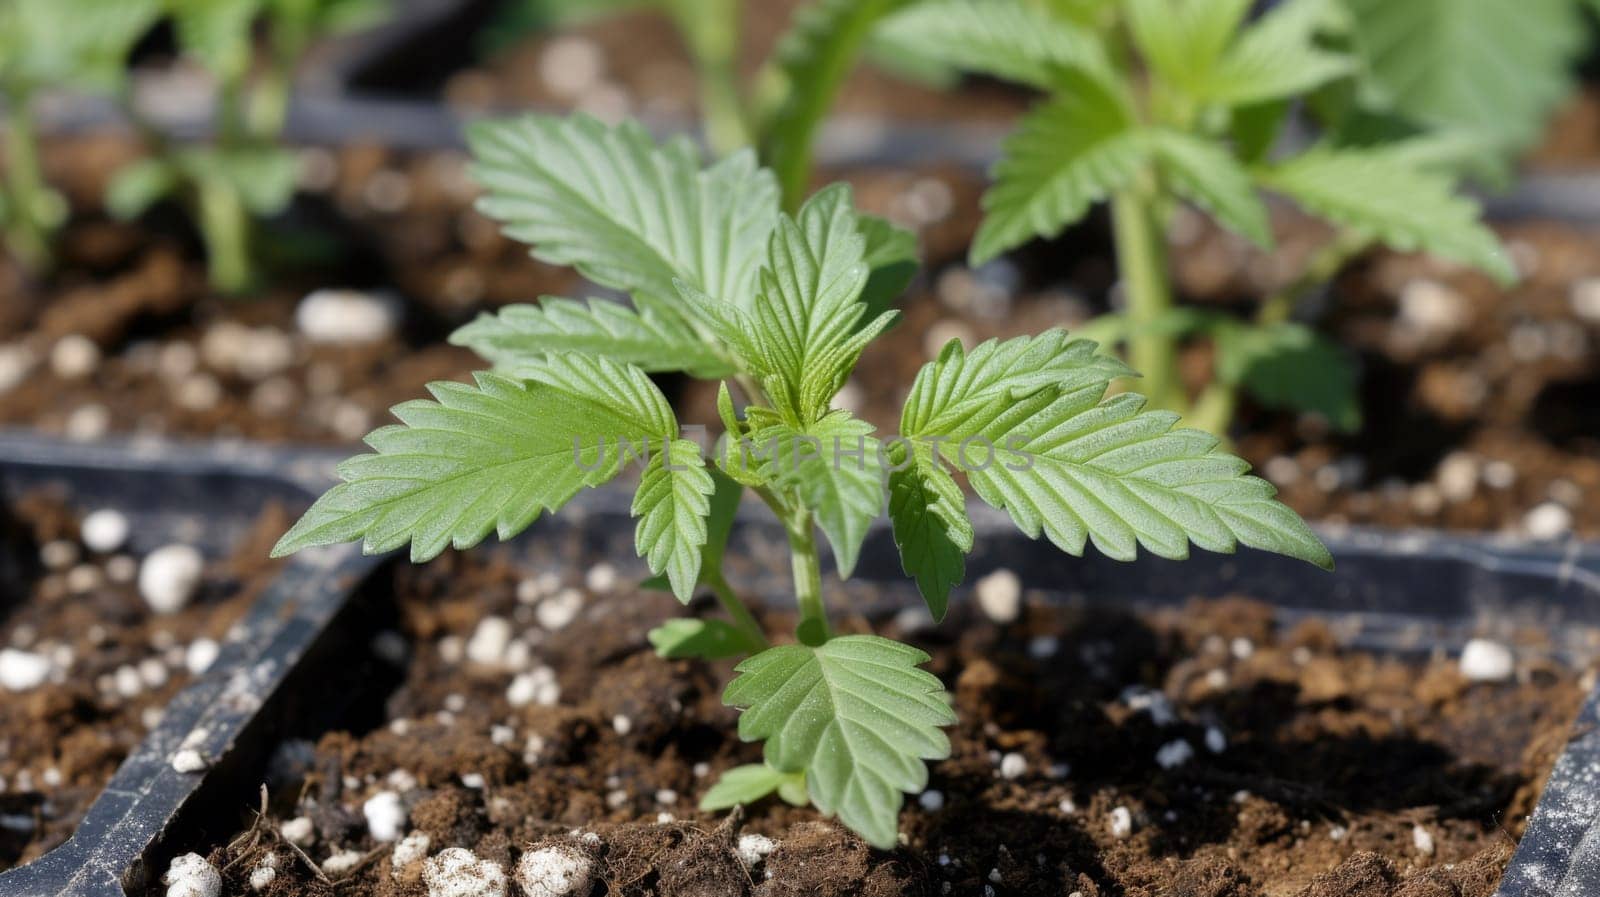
point(1392, 591)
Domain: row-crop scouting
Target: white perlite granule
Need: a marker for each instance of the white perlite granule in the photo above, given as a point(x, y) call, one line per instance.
point(412, 848)
point(104, 531)
point(1013, 765)
point(1121, 822)
point(346, 316)
point(264, 872)
point(169, 577)
point(340, 862)
point(386, 816)
point(1483, 660)
point(191, 876)
point(188, 760)
point(457, 872)
point(754, 848)
point(1000, 596)
point(297, 831)
point(555, 871)
point(22, 670)
point(1547, 521)
point(1422, 840)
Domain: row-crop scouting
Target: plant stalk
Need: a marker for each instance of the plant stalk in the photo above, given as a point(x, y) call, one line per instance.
point(28, 196)
point(742, 617)
point(225, 227)
point(813, 628)
point(711, 33)
point(1214, 410)
point(1142, 256)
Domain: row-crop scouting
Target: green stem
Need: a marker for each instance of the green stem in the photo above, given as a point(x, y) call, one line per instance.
point(1214, 410)
point(813, 628)
point(788, 132)
point(27, 194)
point(711, 33)
point(269, 105)
point(225, 227)
point(742, 617)
point(1142, 256)
point(723, 108)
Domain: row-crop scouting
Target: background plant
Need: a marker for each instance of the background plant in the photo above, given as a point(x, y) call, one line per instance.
point(243, 173)
point(1484, 76)
point(727, 286)
point(792, 92)
point(1153, 102)
point(52, 44)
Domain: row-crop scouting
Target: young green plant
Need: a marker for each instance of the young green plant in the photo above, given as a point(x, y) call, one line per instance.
point(1153, 102)
point(778, 307)
point(51, 44)
point(244, 173)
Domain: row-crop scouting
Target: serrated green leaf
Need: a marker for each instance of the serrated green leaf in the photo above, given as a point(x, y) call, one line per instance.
point(1205, 173)
point(1291, 366)
point(856, 715)
point(1061, 462)
point(62, 43)
point(703, 639)
point(835, 467)
point(626, 212)
point(519, 334)
point(1182, 40)
point(808, 314)
point(928, 512)
point(1078, 470)
point(752, 782)
point(217, 33)
point(1276, 58)
point(959, 387)
point(811, 62)
point(890, 254)
point(1482, 65)
point(1064, 156)
point(486, 457)
point(1399, 204)
point(672, 504)
point(1007, 39)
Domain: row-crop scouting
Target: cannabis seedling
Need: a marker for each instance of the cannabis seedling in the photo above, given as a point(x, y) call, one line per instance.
point(1152, 102)
point(244, 173)
point(50, 44)
point(726, 286)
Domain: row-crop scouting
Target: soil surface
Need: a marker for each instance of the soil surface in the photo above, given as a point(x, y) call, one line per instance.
point(113, 662)
point(1246, 757)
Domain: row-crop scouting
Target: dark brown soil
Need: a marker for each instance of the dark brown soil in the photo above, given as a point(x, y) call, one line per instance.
point(115, 665)
point(367, 218)
point(1335, 771)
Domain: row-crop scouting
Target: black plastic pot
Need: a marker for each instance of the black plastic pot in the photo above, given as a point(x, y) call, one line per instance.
point(1394, 592)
